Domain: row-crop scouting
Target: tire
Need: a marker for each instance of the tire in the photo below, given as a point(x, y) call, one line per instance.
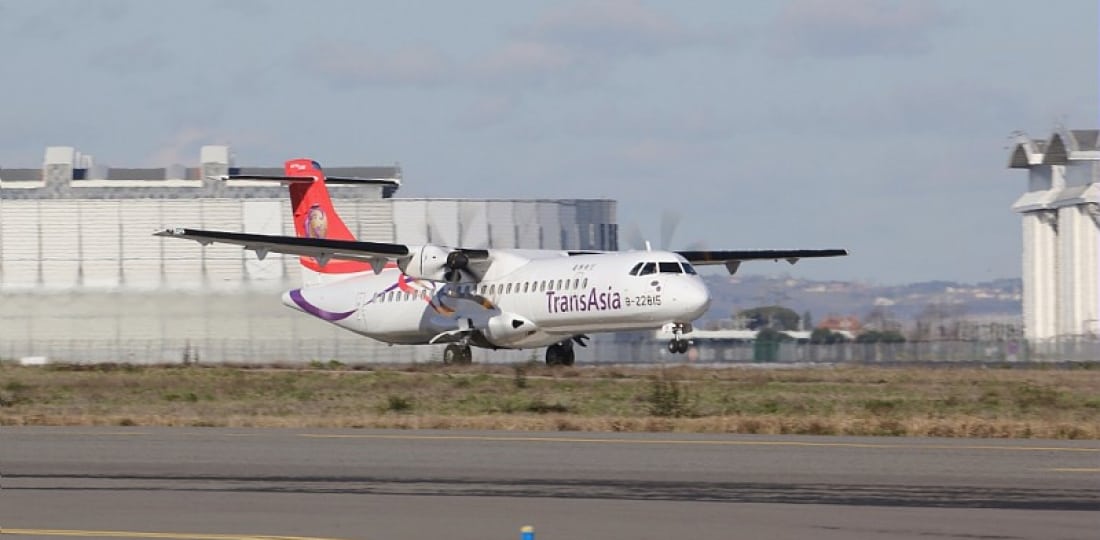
point(554, 356)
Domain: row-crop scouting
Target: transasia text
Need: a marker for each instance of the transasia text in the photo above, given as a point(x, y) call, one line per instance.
point(593, 300)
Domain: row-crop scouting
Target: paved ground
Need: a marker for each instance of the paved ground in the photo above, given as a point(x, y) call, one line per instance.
point(387, 485)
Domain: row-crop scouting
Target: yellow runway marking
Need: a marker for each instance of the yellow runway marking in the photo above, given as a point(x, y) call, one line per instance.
point(692, 442)
point(133, 534)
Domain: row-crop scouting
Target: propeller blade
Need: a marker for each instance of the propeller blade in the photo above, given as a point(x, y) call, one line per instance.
point(670, 221)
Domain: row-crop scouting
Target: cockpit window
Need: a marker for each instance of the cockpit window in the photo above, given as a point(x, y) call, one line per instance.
point(648, 268)
point(670, 268)
point(689, 269)
point(634, 271)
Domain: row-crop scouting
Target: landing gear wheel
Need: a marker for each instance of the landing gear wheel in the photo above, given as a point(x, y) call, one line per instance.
point(679, 345)
point(560, 354)
point(457, 354)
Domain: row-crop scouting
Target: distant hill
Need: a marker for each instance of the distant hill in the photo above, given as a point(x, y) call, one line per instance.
point(993, 299)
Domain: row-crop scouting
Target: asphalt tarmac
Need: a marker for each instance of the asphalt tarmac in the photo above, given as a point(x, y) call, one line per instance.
point(223, 484)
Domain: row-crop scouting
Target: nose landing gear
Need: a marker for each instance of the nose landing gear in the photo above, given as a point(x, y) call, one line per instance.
point(679, 345)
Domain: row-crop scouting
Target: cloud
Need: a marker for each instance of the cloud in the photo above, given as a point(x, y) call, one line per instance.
point(847, 28)
point(610, 27)
point(526, 60)
point(183, 148)
point(488, 110)
point(583, 41)
point(137, 56)
point(348, 64)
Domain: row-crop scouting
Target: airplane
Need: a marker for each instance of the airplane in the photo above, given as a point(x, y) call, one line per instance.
point(474, 297)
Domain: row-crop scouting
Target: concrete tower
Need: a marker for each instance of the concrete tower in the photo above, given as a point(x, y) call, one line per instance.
point(1061, 234)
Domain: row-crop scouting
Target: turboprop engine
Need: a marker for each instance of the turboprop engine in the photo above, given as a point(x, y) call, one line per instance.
point(507, 329)
point(437, 263)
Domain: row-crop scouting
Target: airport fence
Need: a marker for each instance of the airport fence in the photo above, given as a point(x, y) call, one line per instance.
point(359, 351)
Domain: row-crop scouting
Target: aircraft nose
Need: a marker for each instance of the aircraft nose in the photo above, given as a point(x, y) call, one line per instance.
point(695, 298)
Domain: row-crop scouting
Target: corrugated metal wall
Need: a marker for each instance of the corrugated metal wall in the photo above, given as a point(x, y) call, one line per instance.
point(99, 244)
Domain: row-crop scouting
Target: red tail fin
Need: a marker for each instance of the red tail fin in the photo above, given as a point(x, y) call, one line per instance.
point(314, 216)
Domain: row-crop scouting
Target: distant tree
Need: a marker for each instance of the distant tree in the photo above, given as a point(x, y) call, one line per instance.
point(775, 317)
point(880, 318)
point(807, 321)
point(939, 321)
point(824, 336)
point(771, 335)
point(878, 336)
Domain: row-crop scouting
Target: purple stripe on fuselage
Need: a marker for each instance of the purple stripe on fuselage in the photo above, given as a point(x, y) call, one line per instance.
point(296, 295)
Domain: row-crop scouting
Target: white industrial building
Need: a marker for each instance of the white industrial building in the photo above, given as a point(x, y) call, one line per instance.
point(1061, 234)
point(75, 225)
point(79, 264)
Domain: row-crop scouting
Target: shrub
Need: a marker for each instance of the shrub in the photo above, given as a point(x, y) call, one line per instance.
point(667, 399)
point(398, 404)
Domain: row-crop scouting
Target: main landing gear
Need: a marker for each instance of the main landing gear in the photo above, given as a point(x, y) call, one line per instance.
point(457, 353)
point(678, 345)
point(560, 354)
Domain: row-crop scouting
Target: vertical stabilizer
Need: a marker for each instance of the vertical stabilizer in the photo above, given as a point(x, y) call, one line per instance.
point(314, 217)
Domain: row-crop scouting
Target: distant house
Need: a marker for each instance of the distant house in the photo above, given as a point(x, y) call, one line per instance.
point(841, 323)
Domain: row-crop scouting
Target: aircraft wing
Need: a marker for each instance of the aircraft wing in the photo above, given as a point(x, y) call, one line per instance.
point(474, 262)
point(322, 249)
point(733, 259)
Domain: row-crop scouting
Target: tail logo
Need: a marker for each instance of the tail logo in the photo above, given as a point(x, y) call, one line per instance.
point(316, 222)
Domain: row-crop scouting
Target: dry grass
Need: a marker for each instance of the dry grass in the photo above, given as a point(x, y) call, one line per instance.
point(1022, 403)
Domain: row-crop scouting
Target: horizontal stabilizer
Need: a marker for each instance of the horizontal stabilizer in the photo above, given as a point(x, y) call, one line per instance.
point(337, 180)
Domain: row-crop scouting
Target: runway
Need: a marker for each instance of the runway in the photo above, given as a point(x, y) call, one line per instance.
point(218, 484)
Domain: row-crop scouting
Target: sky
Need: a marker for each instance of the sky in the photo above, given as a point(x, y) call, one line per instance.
point(883, 127)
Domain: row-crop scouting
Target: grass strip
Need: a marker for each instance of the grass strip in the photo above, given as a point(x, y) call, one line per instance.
point(1058, 403)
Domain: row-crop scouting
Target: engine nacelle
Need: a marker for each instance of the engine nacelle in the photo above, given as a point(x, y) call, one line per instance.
point(436, 263)
point(508, 328)
point(426, 262)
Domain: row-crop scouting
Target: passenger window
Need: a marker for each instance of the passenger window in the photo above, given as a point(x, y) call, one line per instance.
point(492, 290)
point(559, 285)
point(509, 291)
point(584, 285)
point(390, 296)
point(670, 268)
point(542, 286)
point(576, 283)
point(648, 268)
point(689, 269)
point(483, 289)
point(526, 285)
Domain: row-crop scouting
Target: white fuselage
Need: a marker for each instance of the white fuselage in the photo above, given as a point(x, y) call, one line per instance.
point(528, 299)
